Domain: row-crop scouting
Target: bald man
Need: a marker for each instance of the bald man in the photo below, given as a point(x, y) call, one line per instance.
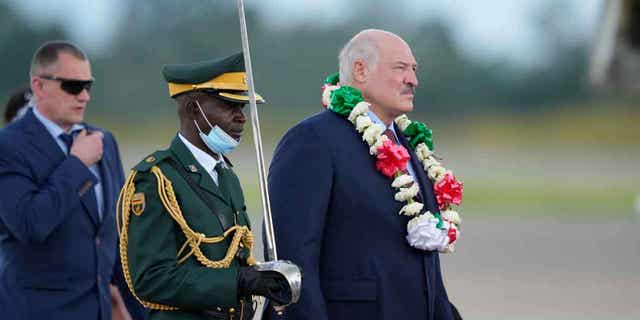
point(335, 215)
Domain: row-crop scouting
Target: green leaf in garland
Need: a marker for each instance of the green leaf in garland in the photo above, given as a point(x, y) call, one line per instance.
point(344, 99)
point(440, 224)
point(333, 79)
point(418, 132)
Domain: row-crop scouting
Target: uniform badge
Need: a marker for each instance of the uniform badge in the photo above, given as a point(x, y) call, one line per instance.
point(137, 203)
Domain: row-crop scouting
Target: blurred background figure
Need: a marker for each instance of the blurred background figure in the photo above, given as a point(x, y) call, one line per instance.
point(549, 162)
point(17, 104)
point(615, 58)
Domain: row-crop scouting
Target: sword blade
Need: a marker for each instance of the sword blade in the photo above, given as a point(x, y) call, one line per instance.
point(272, 253)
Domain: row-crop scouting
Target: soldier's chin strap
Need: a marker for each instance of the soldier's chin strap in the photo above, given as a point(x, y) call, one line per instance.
point(242, 237)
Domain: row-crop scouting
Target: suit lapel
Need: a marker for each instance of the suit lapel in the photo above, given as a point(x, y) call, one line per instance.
point(107, 184)
point(426, 186)
point(43, 141)
point(191, 165)
point(90, 204)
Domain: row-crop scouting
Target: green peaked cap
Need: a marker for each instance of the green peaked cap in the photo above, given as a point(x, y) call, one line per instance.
point(224, 77)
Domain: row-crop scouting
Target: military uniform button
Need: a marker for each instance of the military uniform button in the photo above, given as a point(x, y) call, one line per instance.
point(232, 310)
point(150, 159)
point(218, 309)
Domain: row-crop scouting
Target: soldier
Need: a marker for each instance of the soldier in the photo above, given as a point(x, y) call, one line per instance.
point(186, 240)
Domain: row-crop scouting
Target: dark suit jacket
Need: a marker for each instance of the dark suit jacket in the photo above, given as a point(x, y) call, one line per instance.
point(335, 216)
point(57, 257)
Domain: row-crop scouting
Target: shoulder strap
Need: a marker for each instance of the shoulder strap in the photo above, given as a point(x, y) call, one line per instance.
point(224, 222)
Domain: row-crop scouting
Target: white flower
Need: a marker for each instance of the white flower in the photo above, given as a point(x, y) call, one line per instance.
point(373, 150)
point(429, 162)
point(360, 109)
point(371, 134)
point(450, 248)
point(362, 123)
point(422, 151)
point(402, 180)
point(411, 209)
point(403, 122)
point(436, 172)
point(423, 234)
point(407, 193)
point(452, 216)
point(326, 94)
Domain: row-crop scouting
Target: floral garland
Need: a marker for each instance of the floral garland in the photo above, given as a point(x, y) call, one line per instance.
point(426, 231)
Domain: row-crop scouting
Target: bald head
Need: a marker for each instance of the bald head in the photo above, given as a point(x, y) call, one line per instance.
point(381, 65)
point(365, 47)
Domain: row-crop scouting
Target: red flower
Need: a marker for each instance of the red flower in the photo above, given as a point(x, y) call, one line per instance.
point(452, 234)
point(391, 158)
point(448, 191)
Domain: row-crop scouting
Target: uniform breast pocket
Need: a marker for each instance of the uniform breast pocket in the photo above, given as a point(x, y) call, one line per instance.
point(352, 299)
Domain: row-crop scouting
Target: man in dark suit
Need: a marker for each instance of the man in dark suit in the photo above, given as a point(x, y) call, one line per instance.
point(60, 179)
point(335, 215)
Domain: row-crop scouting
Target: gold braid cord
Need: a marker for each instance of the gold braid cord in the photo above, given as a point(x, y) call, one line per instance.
point(242, 236)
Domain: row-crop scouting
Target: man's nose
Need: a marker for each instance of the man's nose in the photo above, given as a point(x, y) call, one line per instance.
point(84, 96)
point(411, 78)
point(240, 116)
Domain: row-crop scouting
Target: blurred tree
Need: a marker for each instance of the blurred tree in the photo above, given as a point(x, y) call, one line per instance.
point(291, 62)
point(18, 41)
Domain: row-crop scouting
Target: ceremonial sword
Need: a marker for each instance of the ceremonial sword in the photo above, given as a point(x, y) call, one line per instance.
point(290, 272)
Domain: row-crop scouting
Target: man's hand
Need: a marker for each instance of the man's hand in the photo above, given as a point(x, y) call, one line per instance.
point(269, 284)
point(87, 146)
point(118, 308)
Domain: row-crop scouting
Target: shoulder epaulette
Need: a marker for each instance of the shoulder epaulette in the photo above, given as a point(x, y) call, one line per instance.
point(151, 160)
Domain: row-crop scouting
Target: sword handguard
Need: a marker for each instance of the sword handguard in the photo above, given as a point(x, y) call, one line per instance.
point(289, 271)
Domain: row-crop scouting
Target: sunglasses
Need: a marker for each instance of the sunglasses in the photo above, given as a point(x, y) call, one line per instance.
point(71, 86)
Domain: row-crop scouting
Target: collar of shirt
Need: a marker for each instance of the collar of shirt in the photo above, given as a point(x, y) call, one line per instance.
point(204, 159)
point(374, 118)
point(54, 129)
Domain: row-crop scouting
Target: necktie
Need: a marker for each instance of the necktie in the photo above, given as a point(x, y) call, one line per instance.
point(223, 179)
point(67, 138)
point(392, 136)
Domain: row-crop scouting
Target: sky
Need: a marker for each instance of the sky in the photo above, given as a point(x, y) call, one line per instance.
point(485, 29)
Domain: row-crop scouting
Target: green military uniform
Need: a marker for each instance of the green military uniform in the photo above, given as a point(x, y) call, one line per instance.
point(181, 248)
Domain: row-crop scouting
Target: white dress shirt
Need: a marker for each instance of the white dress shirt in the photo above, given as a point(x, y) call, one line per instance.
point(204, 159)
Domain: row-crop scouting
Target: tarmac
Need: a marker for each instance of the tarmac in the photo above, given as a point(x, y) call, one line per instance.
point(543, 268)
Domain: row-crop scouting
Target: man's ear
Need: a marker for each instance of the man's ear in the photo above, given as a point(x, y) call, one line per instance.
point(360, 71)
point(36, 86)
point(192, 109)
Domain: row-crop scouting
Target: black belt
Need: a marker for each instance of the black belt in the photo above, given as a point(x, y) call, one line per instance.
point(244, 312)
